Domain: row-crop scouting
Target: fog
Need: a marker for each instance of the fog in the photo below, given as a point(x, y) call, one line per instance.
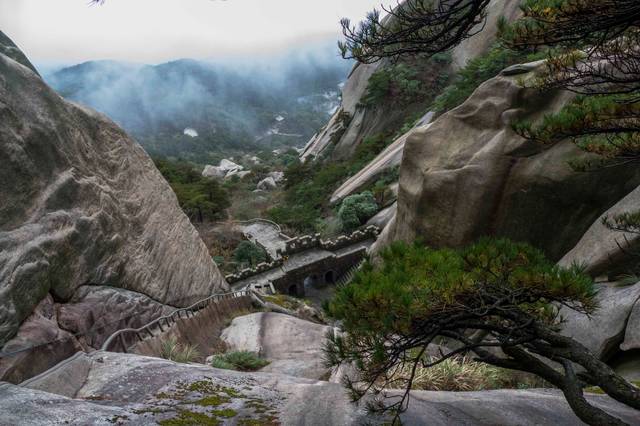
point(228, 102)
point(155, 31)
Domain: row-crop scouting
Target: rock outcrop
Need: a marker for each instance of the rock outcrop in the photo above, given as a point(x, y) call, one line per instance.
point(384, 216)
point(83, 205)
point(387, 160)
point(103, 388)
point(613, 328)
point(8, 48)
point(599, 249)
point(292, 346)
point(352, 123)
point(468, 175)
point(267, 184)
point(225, 169)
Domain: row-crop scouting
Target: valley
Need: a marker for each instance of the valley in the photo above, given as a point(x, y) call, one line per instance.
point(435, 222)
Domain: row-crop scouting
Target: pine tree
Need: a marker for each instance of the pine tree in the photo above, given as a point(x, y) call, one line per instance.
point(493, 295)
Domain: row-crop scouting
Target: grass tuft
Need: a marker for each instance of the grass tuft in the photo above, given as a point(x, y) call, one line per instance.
point(239, 360)
point(174, 351)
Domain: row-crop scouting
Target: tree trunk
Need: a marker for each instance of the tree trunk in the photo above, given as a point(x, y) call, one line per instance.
point(572, 389)
point(602, 375)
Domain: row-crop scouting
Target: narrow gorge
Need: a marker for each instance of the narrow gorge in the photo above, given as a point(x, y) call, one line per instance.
point(454, 243)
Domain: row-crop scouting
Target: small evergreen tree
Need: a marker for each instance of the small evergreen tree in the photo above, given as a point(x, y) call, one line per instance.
point(199, 197)
point(493, 295)
point(357, 209)
point(412, 27)
point(247, 253)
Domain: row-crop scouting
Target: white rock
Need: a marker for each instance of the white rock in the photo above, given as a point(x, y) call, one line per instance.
point(213, 172)
point(292, 345)
point(191, 132)
point(297, 401)
point(277, 176)
point(267, 184)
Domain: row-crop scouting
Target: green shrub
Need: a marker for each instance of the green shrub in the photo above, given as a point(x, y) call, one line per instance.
point(404, 83)
point(357, 209)
point(247, 253)
point(476, 72)
point(310, 185)
point(239, 360)
point(200, 198)
point(174, 351)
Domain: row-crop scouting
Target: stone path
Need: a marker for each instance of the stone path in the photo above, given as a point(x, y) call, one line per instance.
point(265, 234)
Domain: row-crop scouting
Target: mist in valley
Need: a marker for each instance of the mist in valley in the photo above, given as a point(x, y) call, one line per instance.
point(200, 110)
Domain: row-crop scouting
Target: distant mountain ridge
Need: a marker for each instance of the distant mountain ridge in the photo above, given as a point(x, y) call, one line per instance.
point(231, 106)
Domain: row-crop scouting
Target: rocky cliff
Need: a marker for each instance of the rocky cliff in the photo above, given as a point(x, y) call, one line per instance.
point(354, 122)
point(82, 205)
point(468, 175)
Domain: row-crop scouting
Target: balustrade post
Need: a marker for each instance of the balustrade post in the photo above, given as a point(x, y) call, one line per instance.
point(123, 343)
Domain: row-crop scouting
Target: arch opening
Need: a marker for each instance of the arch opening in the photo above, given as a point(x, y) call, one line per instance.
point(293, 290)
point(330, 277)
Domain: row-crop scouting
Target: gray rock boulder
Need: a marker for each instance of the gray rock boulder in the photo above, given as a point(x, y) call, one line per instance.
point(632, 332)
point(226, 168)
point(267, 184)
point(239, 173)
point(610, 330)
point(469, 175)
point(82, 203)
point(292, 345)
point(214, 172)
point(384, 216)
point(276, 176)
point(39, 344)
point(8, 48)
point(599, 248)
point(137, 390)
point(95, 313)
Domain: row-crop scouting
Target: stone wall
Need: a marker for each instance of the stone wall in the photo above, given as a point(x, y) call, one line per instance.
point(293, 282)
point(308, 242)
point(201, 330)
point(366, 233)
point(249, 272)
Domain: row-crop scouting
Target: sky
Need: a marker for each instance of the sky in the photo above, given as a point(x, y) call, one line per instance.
point(154, 31)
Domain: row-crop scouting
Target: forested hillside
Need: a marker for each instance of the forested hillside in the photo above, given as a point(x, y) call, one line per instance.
point(201, 111)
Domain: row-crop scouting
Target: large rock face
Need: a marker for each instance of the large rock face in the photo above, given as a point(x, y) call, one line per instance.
point(8, 48)
point(352, 123)
point(292, 346)
point(82, 204)
point(613, 328)
point(386, 161)
point(105, 388)
point(599, 249)
point(468, 175)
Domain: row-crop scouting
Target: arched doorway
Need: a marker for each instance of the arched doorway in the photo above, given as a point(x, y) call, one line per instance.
point(310, 282)
point(293, 290)
point(330, 277)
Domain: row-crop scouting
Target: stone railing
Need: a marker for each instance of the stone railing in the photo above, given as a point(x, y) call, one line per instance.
point(300, 244)
point(249, 272)
point(127, 337)
point(304, 243)
point(307, 242)
point(366, 233)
